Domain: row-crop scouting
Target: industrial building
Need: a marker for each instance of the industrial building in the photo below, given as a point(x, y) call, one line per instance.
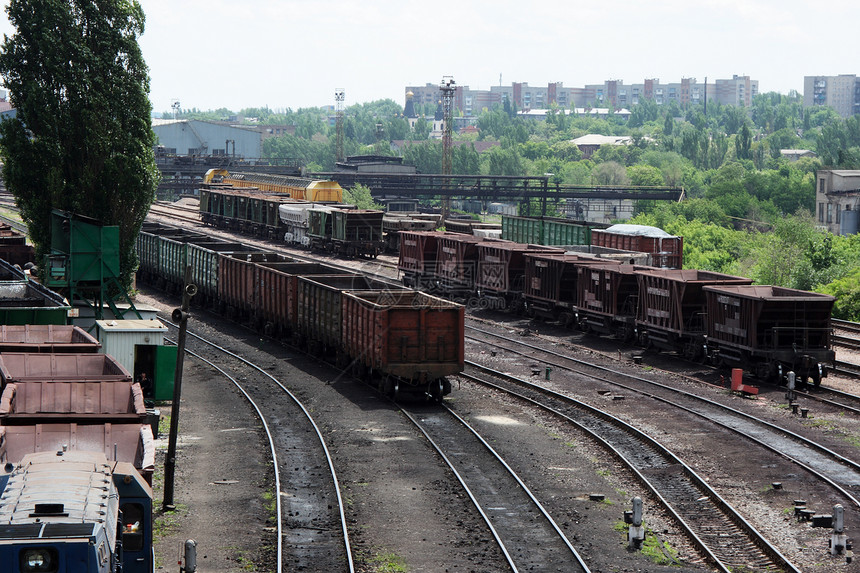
point(191, 137)
point(837, 195)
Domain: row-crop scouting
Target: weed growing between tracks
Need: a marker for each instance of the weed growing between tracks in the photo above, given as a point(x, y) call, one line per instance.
point(388, 563)
point(657, 551)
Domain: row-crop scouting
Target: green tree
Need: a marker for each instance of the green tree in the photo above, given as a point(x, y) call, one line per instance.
point(743, 142)
point(360, 197)
point(847, 293)
point(503, 161)
point(426, 156)
point(82, 139)
point(610, 173)
point(645, 175)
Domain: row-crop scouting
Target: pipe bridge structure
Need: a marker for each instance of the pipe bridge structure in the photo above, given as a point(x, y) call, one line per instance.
point(494, 188)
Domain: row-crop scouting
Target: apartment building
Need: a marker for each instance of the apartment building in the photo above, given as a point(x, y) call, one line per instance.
point(739, 91)
point(842, 93)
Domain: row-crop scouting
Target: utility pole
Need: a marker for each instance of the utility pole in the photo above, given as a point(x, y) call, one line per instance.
point(179, 315)
point(448, 89)
point(339, 96)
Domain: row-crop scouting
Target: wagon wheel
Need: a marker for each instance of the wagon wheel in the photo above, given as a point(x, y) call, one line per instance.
point(436, 390)
point(815, 376)
point(342, 360)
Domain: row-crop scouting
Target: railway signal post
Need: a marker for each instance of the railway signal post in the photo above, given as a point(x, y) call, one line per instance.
point(180, 315)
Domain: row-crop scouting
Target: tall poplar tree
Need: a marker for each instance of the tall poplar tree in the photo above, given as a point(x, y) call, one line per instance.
point(82, 140)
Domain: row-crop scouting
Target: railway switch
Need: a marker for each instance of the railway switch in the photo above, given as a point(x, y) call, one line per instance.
point(838, 541)
point(790, 394)
point(190, 557)
point(636, 532)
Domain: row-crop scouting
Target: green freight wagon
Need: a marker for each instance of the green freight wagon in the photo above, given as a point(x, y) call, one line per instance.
point(23, 301)
point(527, 230)
point(550, 231)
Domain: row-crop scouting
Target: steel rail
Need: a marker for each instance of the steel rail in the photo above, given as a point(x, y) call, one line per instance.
point(524, 487)
point(272, 449)
point(731, 514)
point(319, 435)
point(466, 488)
point(773, 427)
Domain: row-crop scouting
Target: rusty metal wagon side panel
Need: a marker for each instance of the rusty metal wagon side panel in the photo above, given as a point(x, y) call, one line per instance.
point(414, 336)
point(46, 338)
point(501, 265)
point(22, 367)
point(763, 327)
point(672, 300)
point(319, 306)
point(275, 291)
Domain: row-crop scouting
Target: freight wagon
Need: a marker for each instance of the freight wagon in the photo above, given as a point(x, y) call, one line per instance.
point(547, 230)
point(672, 307)
point(48, 338)
point(667, 250)
point(320, 314)
point(607, 297)
point(417, 260)
point(23, 301)
point(412, 340)
point(770, 330)
point(395, 224)
point(275, 293)
point(301, 302)
point(501, 272)
point(251, 203)
point(13, 246)
point(550, 286)
point(77, 401)
point(456, 264)
point(295, 220)
point(234, 288)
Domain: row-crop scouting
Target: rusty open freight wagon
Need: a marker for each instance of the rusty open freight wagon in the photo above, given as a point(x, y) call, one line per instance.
point(409, 340)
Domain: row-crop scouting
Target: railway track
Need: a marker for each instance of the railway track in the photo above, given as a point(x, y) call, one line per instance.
point(720, 533)
point(847, 369)
point(312, 530)
point(841, 472)
point(382, 265)
point(846, 342)
point(847, 325)
point(506, 504)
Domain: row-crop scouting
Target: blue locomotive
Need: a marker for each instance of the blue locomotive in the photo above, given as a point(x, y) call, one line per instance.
point(74, 511)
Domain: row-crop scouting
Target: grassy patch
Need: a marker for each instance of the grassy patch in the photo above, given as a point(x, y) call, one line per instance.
point(388, 563)
point(657, 551)
point(604, 473)
point(164, 423)
point(241, 557)
point(166, 521)
point(825, 425)
point(269, 504)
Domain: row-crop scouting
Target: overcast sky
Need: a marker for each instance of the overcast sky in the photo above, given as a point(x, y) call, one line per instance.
point(292, 54)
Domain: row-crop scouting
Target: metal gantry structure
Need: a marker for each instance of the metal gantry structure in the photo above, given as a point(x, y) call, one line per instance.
point(447, 87)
